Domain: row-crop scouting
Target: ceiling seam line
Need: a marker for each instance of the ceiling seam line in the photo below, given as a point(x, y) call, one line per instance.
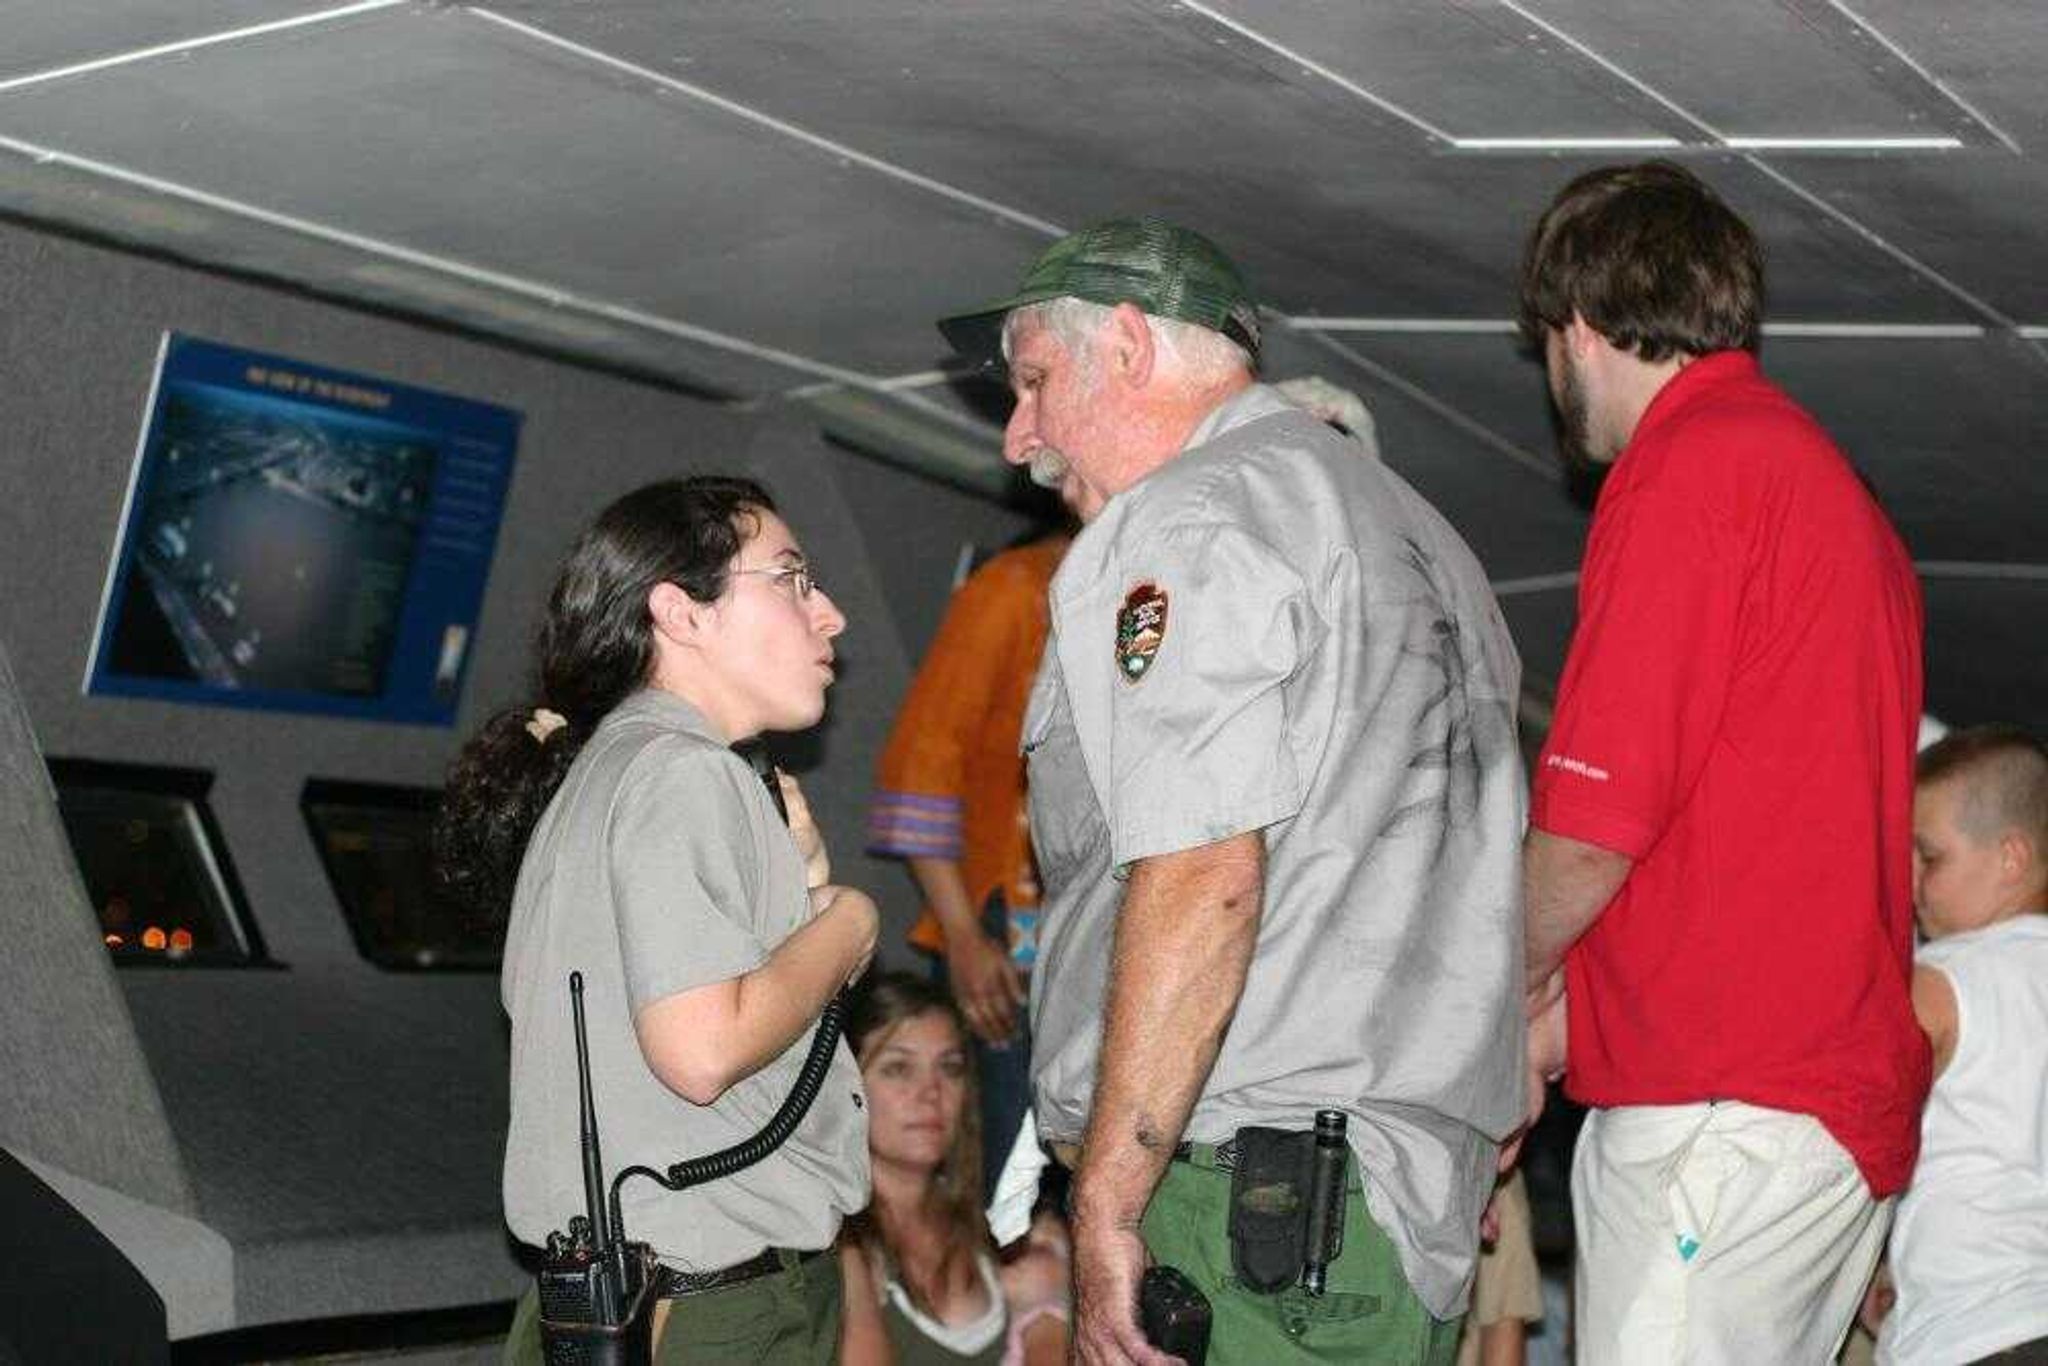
point(1534, 583)
point(1907, 60)
point(374, 246)
point(1615, 70)
point(893, 385)
point(1792, 328)
point(2016, 570)
point(911, 398)
point(1870, 235)
point(795, 132)
point(1342, 82)
point(1876, 239)
point(120, 59)
point(1414, 392)
point(1423, 326)
point(1717, 139)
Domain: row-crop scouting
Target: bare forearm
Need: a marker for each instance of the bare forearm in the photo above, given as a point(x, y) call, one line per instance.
point(1566, 884)
point(945, 891)
point(701, 1041)
point(1184, 941)
point(779, 999)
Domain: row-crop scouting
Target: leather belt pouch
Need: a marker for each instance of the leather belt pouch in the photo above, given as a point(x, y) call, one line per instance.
point(1269, 1197)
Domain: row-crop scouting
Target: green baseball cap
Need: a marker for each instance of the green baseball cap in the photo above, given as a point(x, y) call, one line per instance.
point(1168, 271)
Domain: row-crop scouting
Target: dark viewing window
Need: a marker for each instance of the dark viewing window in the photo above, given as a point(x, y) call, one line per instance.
point(376, 843)
point(155, 865)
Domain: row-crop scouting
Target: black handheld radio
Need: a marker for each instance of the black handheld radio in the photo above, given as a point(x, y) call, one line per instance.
point(596, 1289)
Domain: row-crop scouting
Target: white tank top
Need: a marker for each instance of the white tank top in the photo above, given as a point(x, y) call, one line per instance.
point(967, 1339)
point(1970, 1247)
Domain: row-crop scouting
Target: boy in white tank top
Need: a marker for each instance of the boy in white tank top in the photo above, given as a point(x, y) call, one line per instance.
point(1969, 1250)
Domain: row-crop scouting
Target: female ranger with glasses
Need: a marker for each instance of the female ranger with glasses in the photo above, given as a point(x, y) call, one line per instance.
point(633, 846)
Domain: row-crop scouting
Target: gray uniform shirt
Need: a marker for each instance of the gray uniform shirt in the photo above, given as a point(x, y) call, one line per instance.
point(659, 866)
point(1329, 667)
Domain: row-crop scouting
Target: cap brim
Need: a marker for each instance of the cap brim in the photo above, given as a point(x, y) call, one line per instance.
point(977, 337)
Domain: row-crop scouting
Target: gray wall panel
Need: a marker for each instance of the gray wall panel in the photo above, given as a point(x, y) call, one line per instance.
point(78, 1093)
point(332, 1102)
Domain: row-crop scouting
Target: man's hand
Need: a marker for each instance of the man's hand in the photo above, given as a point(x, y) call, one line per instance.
point(1489, 1218)
point(986, 984)
point(803, 828)
point(1548, 1035)
point(1109, 1259)
point(1878, 1298)
point(1184, 938)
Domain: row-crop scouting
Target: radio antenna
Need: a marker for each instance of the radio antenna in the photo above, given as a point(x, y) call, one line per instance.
point(601, 1233)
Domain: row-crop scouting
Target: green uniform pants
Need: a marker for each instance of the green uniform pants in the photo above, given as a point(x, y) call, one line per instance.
point(1369, 1314)
point(790, 1318)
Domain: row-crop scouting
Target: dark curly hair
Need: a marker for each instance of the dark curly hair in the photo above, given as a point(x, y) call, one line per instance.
point(594, 649)
point(1651, 258)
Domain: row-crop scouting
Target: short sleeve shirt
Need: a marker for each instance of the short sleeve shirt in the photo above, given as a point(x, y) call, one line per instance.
point(1737, 714)
point(660, 866)
point(1274, 633)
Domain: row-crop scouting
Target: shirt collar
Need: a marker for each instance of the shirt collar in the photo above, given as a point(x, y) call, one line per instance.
point(1715, 367)
point(1246, 405)
point(669, 711)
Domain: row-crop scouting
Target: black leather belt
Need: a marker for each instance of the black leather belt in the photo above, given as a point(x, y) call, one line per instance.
point(675, 1284)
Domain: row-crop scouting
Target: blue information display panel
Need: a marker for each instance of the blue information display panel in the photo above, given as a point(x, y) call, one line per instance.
point(302, 539)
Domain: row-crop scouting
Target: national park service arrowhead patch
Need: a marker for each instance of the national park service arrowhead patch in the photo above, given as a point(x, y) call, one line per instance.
point(1140, 630)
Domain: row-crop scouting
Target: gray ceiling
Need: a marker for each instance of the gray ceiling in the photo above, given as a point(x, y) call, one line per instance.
point(753, 199)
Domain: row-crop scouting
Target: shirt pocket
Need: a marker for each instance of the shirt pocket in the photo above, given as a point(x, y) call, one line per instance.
point(1066, 821)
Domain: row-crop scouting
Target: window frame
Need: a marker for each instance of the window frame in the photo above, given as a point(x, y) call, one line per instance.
point(339, 792)
point(202, 832)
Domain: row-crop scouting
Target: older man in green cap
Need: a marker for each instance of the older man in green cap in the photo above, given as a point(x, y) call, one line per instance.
point(1277, 803)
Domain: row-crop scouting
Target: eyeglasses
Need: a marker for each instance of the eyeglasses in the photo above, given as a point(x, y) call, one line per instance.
point(797, 578)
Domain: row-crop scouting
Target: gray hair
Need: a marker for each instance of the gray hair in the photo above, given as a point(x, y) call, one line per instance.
point(1189, 349)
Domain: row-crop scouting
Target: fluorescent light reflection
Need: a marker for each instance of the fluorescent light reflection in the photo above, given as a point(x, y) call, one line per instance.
point(1713, 144)
point(1650, 144)
point(1940, 144)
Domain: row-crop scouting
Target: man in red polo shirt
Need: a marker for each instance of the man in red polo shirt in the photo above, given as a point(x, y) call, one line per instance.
point(1718, 872)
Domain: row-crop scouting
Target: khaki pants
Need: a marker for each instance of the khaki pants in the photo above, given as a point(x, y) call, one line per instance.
point(1508, 1284)
point(790, 1318)
point(1717, 1235)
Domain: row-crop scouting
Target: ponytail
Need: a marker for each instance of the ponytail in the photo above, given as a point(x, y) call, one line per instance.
point(594, 649)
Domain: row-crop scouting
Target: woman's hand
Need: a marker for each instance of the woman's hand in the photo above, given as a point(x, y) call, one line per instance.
point(985, 983)
point(702, 1040)
point(856, 909)
point(803, 828)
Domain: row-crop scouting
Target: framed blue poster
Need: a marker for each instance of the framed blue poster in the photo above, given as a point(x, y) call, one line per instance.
point(301, 539)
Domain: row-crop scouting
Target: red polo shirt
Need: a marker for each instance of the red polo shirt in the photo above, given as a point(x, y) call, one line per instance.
point(1738, 715)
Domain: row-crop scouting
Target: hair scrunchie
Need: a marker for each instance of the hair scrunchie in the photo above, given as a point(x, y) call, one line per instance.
point(544, 723)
